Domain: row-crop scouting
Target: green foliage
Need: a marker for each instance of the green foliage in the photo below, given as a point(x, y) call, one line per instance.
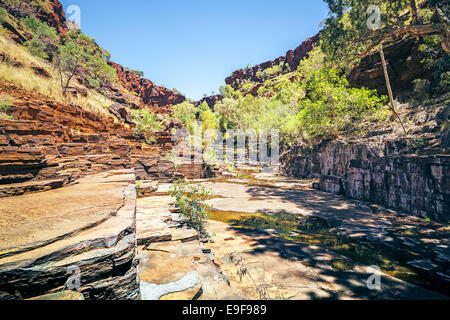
point(201, 122)
point(346, 35)
point(272, 71)
point(186, 113)
point(14, 3)
point(315, 62)
point(101, 72)
point(138, 188)
point(331, 108)
point(69, 60)
point(6, 105)
point(312, 102)
point(37, 48)
point(81, 52)
point(228, 92)
point(207, 117)
point(40, 29)
point(141, 73)
point(3, 15)
point(208, 125)
point(147, 124)
point(437, 60)
point(44, 37)
point(191, 200)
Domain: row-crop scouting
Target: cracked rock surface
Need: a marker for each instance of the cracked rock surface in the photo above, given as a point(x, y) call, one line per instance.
point(86, 230)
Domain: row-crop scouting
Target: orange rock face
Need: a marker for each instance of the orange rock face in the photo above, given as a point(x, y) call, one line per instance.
point(50, 141)
point(55, 16)
point(158, 98)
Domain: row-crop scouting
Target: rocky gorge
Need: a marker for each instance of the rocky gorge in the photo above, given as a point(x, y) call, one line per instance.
point(86, 213)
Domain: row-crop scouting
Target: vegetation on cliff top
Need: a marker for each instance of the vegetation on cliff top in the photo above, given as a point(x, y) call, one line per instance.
point(315, 101)
point(353, 29)
point(310, 103)
point(56, 54)
point(26, 78)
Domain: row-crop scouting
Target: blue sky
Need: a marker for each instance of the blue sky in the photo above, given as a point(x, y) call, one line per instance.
point(193, 45)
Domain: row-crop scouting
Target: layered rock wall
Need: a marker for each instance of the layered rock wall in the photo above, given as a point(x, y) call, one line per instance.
point(51, 144)
point(81, 237)
point(415, 184)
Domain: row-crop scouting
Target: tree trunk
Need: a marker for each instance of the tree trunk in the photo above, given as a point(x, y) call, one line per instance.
point(388, 85)
point(412, 4)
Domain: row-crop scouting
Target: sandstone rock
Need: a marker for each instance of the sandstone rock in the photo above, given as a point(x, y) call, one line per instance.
point(54, 16)
point(89, 226)
point(445, 139)
point(121, 113)
point(396, 181)
point(150, 291)
point(210, 100)
point(16, 35)
point(74, 91)
point(63, 295)
point(424, 264)
point(403, 59)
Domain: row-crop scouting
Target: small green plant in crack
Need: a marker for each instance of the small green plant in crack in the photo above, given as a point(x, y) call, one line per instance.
point(147, 124)
point(6, 106)
point(416, 143)
point(138, 188)
point(191, 201)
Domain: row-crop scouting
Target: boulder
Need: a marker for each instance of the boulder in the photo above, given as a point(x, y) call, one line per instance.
point(121, 113)
point(41, 72)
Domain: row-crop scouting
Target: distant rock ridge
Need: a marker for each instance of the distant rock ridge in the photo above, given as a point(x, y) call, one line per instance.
point(292, 58)
point(157, 97)
point(210, 100)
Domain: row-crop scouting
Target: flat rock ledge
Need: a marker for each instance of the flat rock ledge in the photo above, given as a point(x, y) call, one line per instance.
point(81, 237)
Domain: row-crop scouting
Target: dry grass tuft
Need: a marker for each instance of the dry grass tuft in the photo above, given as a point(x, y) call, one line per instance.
point(6, 103)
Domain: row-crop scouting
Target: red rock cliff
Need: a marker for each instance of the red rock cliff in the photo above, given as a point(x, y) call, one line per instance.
point(404, 65)
point(292, 58)
point(159, 98)
point(55, 16)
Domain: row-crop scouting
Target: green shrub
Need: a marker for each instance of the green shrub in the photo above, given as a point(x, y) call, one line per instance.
point(37, 48)
point(141, 73)
point(437, 60)
point(186, 112)
point(331, 108)
point(191, 200)
point(6, 105)
point(147, 124)
point(14, 3)
point(40, 29)
point(81, 52)
point(3, 15)
point(101, 73)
